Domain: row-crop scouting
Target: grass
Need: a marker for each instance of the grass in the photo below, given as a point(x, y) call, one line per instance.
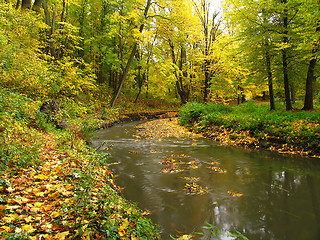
point(299, 130)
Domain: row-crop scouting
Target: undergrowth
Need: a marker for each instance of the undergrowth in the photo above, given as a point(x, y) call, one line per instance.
point(292, 128)
point(53, 186)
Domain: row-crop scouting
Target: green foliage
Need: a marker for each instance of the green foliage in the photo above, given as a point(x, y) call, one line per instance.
point(295, 128)
point(21, 65)
point(74, 80)
point(18, 142)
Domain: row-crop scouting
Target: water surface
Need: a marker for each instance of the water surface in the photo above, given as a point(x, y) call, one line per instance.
point(280, 193)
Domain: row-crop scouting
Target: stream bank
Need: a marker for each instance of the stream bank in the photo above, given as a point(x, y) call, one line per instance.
point(53, 186)
point(189, 181)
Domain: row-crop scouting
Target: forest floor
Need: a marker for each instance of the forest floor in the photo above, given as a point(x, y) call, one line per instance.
point(53, 186)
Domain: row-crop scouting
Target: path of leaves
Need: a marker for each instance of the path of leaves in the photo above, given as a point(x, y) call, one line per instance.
point(164, 128)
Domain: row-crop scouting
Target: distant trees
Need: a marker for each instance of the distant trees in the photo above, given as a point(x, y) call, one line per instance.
point(277, 27)
point(183, 50)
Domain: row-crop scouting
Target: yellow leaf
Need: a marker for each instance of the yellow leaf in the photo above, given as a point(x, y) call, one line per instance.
point(62, 235)
point(37, 204)
point(42, 177)
point(185, 237)
point(5, 229)
point(56, 214)
point(28, 228)
point(27, 219)
point(13, 207)
point(10, 218)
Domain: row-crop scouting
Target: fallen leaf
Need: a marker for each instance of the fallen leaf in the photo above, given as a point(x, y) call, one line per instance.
point(62, 235)
point(233, 194)
point(28, 228)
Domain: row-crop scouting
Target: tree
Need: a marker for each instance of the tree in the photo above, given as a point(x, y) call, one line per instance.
point(253, 27)
point(312, 9)
point(133, 52)
point(210, 25)
point(284, 50)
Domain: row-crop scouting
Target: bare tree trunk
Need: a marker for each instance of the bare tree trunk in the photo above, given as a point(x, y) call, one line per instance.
point(308, 101)
point(18, 4)
point(133, 52)
point(82, 18)
point(46, 12)
point(293, 93)
point(270, 82)
point(26, 4)
point(210, 32)
point(37, 5)
point(52, 44)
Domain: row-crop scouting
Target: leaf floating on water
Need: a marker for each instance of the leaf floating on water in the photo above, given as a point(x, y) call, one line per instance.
point(194, 188)
point(191, 179)
point(172, 169)
point(193, 164)
point(217, 169)
point(154, 151)
point(168, 161)
point(233, 194)
point(215, 163)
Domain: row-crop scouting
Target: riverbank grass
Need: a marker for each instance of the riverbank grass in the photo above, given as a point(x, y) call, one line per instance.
point(251, 124)
point(53, 186)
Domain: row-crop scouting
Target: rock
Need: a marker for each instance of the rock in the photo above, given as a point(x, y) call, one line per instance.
point(51, 110)
point(62, 125)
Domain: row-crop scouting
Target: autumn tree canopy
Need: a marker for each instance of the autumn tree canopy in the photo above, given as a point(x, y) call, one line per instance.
point(163, 50)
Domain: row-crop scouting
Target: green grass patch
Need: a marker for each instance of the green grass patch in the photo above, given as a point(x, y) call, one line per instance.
point(294, 128)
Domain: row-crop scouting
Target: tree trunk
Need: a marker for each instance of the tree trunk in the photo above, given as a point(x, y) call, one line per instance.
point(81, 28)
point(133, 52)
point(26, 4)
point(46, 13)
point(293, 93)
point(270, 81)
point(286, 80)
point(18, 4)
point(52, 44)
point(308, 100)
point(63, 13)
point(37, 5)
point(285, 59)
point(206, 80)
point(183, 91)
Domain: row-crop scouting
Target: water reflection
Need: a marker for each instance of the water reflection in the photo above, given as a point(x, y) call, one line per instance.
point(281, 193)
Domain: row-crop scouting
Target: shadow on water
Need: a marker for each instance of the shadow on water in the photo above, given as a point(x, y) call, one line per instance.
point(280, 199)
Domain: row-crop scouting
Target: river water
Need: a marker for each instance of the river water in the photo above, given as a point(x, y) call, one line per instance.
point(281, 193)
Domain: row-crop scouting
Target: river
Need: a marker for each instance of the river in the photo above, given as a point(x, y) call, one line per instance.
point(262, 194)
